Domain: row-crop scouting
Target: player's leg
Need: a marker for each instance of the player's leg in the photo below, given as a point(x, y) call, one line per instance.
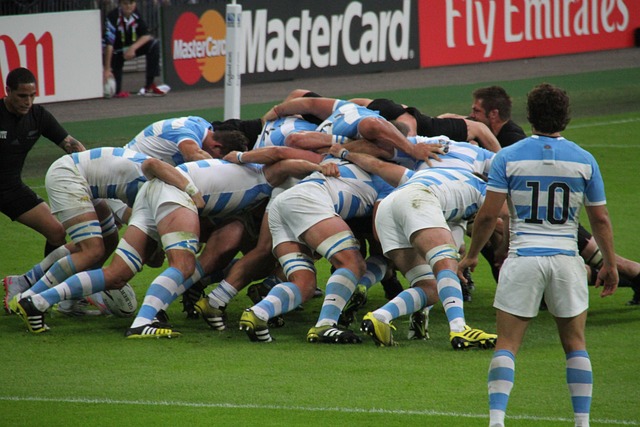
point(511, 330)
point(126, 262)
point(377, 324)
point(222, 245)
point(41, 220)
point(178, 230)
point(300, 272)
point(333, 239)
point(86, 234)
point(579, 370)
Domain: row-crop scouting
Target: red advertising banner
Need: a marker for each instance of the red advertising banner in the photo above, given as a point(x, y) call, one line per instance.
point(471, 31)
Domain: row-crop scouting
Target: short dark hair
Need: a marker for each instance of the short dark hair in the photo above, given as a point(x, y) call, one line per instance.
point(231, 140)
point(19, 76)
point(494, 98)
point(548, 108)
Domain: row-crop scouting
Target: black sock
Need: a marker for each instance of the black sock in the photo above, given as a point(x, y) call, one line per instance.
point(48, 248)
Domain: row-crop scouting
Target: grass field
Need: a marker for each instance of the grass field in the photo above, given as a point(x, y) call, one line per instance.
point(83, 372)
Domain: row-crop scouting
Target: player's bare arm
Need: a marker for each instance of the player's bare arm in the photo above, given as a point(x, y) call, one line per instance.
point(71, 145)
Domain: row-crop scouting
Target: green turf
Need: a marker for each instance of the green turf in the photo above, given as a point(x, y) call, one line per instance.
point(83, 372)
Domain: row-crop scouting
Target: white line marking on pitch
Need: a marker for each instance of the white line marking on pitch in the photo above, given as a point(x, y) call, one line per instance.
point(297, 408)
point(612, 122)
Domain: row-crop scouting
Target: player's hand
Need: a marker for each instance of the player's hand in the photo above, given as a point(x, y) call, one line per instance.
point(608, 279)
point(271, 115)
point(466, 262)
point(335, 150)
point(427, 152)
point(232, 157)
point(330, 169)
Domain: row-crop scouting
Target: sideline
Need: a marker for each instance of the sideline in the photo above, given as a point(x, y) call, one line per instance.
point(300, 408)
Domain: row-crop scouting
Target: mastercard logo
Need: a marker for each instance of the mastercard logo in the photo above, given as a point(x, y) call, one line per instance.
point(198, 47)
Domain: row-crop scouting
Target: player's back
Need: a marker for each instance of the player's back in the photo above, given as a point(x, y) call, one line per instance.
point(548, 180)
point(161, 139)
point(226, 187)
point(345, 119)
point(111, 172)
point(353, 193)
point(459, 191)
point(274, 132)
point(458, 155)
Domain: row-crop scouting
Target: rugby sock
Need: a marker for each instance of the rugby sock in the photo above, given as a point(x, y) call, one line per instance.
point(162, 290)
point(500, 383)
point(76, 286)
point(406, 302)
point(222, 294)
point(376, 269)
point(580, 382)
point(38, 270)
point(283, 298)
point(450, 294)
point(59, 271)
point(48, 248)
point(198, 273)
point(340, 287)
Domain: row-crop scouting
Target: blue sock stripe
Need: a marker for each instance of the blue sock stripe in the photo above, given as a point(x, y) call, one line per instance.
point(581, 404)
point(376, 268)
point(501, 374)
point(450, 292)
point(335, 285)
point(421, 295)
point(447, 274)
point(279, 292)
point(498, 401)
point(579, 376)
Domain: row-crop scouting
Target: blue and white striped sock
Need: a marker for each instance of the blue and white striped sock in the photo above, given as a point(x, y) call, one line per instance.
point(283, 298)
point(375, 271)
point(76, 286)
point(222, 294)
point(59, 271)
point(197, 275)
point(38, 270)
point(500, 383)
point(161, 291)
point(340, 287)
point(406, 302)
point(450, 294)
point(580, 382)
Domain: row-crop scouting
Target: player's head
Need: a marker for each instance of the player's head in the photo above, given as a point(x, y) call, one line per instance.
point(127, 7)
point(221, 142)
point(488, 101)
point(21, 91)
point(548, 108)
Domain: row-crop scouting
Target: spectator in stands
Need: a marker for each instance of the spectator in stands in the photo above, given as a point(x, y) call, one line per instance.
point(126, 37)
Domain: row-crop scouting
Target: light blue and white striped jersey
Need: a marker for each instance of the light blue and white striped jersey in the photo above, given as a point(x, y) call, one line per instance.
point(274, 132)
point(547, 181)
point(112, 172)
point(353, 193)
point(459, 191)
point(460, 155)
point(161, 139)
point(345, 119)
point(227, 188)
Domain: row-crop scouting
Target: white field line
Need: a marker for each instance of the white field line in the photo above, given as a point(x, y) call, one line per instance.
point(299, 408)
